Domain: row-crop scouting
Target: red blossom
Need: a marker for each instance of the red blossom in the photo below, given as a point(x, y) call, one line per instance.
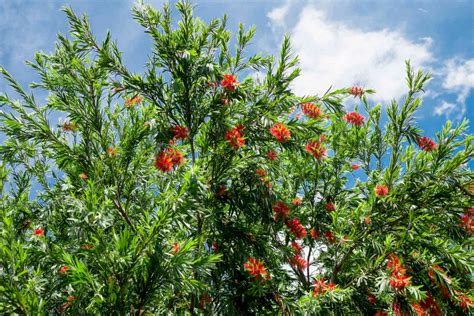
point(354, 118)
point(234, 137)
point(397, 309)
point(464, 301)
point(296, 229)
point(381, 313)
point(367, 220)
point(321, 287)
point(330, 207)
point(297, 201)
point(205, 298)
point(70, 127)
point(38, 231)
point(175, 248)
point(329, 236)
point(63, 269)
point(466, 222)
point(315, 233)
point(399, 280)
point(298, 262)
point(430, 304)
point(357, 91)
point(229, 82)
point(296, 247)
point(381, 190)
point(176, 156)
point(315, 148)
point(272, 155)
point(355, 166)
point(426, 143)
point(164, 161)
point(180, 132)
point(133, 101)
point(256, 269)
point(311, 110)
point(261, 172)
point(112, 152)
point(215, 246)
point(372, 298)
point(280, 132)
point(281, 210)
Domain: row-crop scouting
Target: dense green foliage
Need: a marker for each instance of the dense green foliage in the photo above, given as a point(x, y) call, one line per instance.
point(159, 186)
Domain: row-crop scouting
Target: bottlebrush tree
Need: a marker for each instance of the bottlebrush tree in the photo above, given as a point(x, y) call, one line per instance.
point(197, 187)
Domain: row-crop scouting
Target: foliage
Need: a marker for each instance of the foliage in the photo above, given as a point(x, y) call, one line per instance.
point(183, 190)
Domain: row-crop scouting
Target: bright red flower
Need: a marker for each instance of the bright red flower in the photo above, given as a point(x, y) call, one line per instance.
point(315, 148)
point(164, 161)
point(256, 269)
point(215, 246)
point(63, 269)
point(357, 91)
point(87, 246)
point(397, 309)
point(70, 127)
point(381, 313)
point(234, 137)
point(367, 220)
point(180, 132)
point(399, 280)
point(133, 101)
point(463, 300)
point(176, 156)
point(261, 172)
point(296, 247)
point(419, 310)
point(38, 231)
point(229, 82)
point(430, 304)
point(426, 143)
point(330, 207)
point(112, 152)
point(315, 233)
point(355, 166)
point(175, 248)
point(280, 132)
point(311, 110)
point(298, 262)
point(372, 298)
point(205, 298)
point(272, 155)
point(466, 222)
point(297, 201)
point(354, 118)
point(321, 287)
point(329, 236)
point(296, 229)
point(381, 190)
point(281, 210)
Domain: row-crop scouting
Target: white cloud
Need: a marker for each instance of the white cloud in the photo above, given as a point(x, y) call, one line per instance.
point(336, 54)
point(450, 110)
point(459, 77)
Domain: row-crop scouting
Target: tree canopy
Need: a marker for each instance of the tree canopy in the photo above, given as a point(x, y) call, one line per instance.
point(204, 185)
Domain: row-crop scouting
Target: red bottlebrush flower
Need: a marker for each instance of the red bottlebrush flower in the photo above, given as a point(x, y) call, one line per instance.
point(381, 190)
point(205, 298)
point(87, 246)
point(180, 132)
point(281, 210)
point(63, 269)
point(298, 262)
point(330, 207)
point(321, 287)
point(70, 127)
point(397, 309)
point(296, 229)
point(296, 247)
point(329, 236)
point(234, 137)
point(355, 166)
point(175, 248)
point(354, 118)
point(261, 172)
point(83, 176)
point(164, 161)
point(430, 304)
point(229, 82)
point(215, 246)
point(426, 143)
point(399, 280)
point(280, 132)
point(256, 269)
point(357, 91)
point(315, 148)
point(419, 310)
point(297, 201)
point(463, 300)
point(315, 233)
point(372, 298)
point(466, 222)
point(381, 313)
point(367, 220)
point(133, 101)
point(38, 231)
point(272, 155)
point(222, 191)
point(311, 110)
point(176, 156)
point(112, 152)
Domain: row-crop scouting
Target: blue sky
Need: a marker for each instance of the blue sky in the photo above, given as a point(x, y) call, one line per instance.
point(340, 43)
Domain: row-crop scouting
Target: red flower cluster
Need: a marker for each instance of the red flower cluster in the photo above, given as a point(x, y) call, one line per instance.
point(280, 132)
point(329, 236)
point(235, 138)
point(464, 301)
point(281, 210)
point(298, 262)
point(296, 229)
point(133, 101)
point(381, 313)
point(357, 91)
point(311, 110)
point(330, 207)
point(466, 222)
point(261, 172)
point(426, 143)
point(427, 307)
point(315, 233)
point(70, 127)
point(321, 287)
point(355, 166)
point(256, 269)
point(175, 248)
point(381, 190)
point(38, 231)
point(372, 298)
point(168, 158)
point(63, 269)
point(296, 247)
point(272, 155)
point(316, 149)
point(354, 118)
point(297, 201)
point(180, 132)
point(229, 82)
point(399, 280)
